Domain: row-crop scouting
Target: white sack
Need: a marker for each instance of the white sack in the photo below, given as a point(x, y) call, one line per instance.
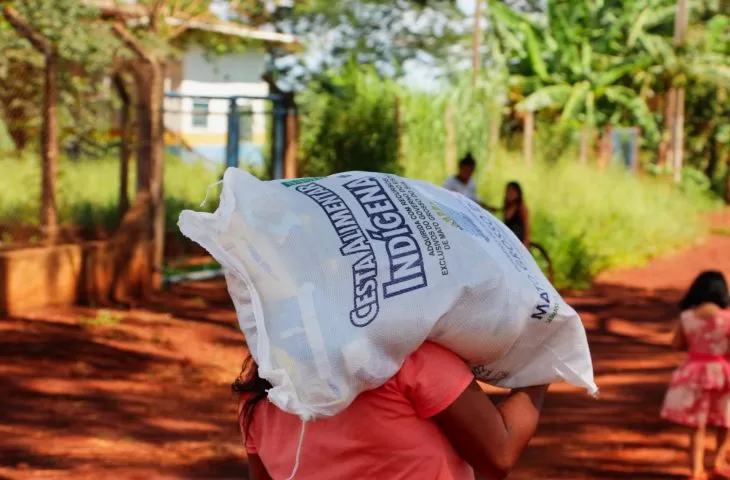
point(337, 280)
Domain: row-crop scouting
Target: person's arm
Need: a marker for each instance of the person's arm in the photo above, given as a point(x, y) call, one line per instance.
point(490, 209)
point(492, 438)
point(256, 469)
point(526, 222)
point(679, 340)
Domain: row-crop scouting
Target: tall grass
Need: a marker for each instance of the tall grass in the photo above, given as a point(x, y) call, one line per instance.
point(424, 142)
point(590, 221)
point(88, 191)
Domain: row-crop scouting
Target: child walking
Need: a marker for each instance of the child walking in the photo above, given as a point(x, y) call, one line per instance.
point(699, 393)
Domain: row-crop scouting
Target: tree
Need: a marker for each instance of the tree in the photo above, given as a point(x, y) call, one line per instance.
point(380, 33)
point(568, 67)
point(153, 30)
point(61, 32)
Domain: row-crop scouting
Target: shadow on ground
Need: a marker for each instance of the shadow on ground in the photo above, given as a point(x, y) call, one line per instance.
point(144, 393)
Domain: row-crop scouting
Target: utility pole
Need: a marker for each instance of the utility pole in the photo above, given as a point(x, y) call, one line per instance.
point(680, 31)
point(476, 42)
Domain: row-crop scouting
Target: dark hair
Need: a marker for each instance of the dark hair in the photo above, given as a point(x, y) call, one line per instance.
point(708, 287)
point(250, 383)
point(518, 188)
point(468, 161)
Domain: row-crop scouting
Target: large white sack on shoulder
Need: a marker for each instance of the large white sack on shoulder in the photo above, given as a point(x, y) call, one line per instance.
point(337, 280)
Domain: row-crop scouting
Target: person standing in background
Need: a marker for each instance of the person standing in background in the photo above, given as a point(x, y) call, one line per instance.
point(462, 182)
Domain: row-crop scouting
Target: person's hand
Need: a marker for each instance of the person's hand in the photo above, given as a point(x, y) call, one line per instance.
point(488, 208)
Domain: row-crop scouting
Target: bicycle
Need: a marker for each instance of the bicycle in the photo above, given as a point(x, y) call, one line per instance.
point(538, 252)
point(541, 256)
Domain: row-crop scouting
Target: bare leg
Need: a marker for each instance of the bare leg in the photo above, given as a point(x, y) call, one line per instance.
point(723, 445)
point(698, 452)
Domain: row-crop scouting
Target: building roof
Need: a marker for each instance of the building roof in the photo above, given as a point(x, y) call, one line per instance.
point(135, 14)
point(234, 30)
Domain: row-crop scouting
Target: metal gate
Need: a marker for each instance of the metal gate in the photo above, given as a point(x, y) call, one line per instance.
point(227, 130)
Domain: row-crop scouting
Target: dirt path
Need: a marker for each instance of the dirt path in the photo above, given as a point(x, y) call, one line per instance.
point(143, 394)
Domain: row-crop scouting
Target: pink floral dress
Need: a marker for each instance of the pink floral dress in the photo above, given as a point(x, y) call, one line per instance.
point(699, 393)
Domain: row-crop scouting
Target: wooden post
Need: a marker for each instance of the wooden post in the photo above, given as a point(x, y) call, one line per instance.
point(637, 142)
point(680, 29)
point(450, 149)
point(476, 42)
point(678, 137)
point(49, 129)
point(605, 152)
point(398, 133)
point(585, 140)
point(527, 135)
point(665, 153)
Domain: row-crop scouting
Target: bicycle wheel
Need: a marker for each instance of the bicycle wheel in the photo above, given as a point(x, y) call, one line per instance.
point(543, 259)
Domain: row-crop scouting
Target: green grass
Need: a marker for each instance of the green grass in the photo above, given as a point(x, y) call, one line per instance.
point(88, 191)
point(590, 221)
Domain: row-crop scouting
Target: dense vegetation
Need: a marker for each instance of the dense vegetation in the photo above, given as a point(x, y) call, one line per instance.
point(575, 66)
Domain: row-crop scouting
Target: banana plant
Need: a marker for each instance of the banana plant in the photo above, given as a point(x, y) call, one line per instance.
point(570, 63)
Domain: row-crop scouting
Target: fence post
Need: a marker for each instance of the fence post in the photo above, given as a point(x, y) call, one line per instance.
point(233, 134)
point(451, 140)
point(279, 133)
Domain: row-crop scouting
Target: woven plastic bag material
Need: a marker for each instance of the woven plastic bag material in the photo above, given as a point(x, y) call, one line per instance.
point(337, 280)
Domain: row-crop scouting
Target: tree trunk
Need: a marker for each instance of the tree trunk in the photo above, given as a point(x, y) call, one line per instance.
point(149, 82)
point(49, 135)
point(290, 152)
point(527, 135)
point(49, 129)
point(150, 156)
point(678, 137)
point(157, 169)
point(125, 129)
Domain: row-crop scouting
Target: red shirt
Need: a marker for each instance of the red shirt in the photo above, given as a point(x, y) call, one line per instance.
point(386, 433)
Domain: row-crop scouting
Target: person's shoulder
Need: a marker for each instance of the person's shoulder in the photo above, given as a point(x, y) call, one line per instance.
point(431, 356)
point(432, 378)
point(450, 180)
point(692, 318)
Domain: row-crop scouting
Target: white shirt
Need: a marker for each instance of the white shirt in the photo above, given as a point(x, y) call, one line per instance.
point(469, 190)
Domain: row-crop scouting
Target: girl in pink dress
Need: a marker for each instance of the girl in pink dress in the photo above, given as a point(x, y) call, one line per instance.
point(699, 393)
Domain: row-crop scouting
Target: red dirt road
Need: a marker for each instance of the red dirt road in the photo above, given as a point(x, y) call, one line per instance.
point(144, 393)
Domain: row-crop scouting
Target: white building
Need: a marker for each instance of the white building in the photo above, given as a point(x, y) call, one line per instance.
point(197, 125)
